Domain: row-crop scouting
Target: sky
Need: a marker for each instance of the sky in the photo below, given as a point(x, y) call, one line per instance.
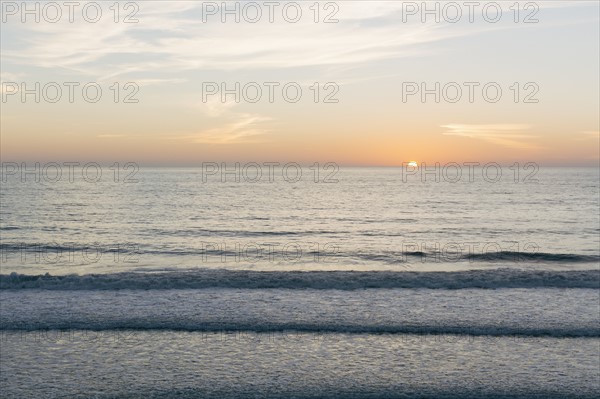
point(362, 68)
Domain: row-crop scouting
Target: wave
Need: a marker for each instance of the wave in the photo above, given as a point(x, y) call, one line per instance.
point(534, 256)
point(133, 325)
point(218, 250)
point(322, 280)
point(198, 232)
point(56, 248)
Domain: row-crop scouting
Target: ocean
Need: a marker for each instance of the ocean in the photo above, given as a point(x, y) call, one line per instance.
point(299, 282)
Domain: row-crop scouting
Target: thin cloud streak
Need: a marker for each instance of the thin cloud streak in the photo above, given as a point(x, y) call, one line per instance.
point(508, 135)
point(247, 129)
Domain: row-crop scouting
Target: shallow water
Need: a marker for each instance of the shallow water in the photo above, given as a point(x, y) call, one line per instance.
point(165, 364)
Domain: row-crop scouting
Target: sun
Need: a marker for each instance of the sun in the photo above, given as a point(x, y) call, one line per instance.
point(413, 164)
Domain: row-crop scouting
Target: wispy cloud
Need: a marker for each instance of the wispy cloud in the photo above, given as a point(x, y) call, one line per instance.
point(7, 77)
point(589, 135)
point(215, 107)
point(10, 77)
point(247, 128)
point(169, 38)
point(508, 135)
point(111, 136)
point(156, 82)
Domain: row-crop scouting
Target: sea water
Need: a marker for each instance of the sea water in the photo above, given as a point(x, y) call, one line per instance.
point(368, 283)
